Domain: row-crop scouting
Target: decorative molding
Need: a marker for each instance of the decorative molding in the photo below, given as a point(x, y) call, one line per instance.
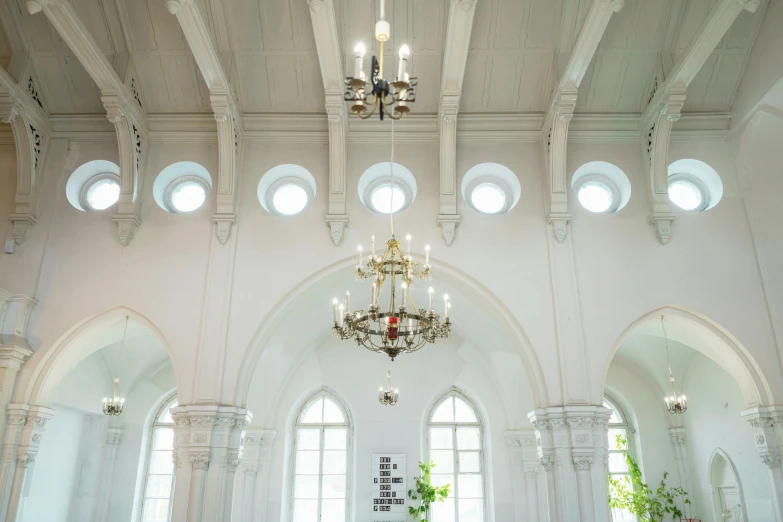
point(250, 470)
point(25, 459)
point(200, 460)
point(448, 225)
point(772, 460)
point(582, 462)
point(337, 225)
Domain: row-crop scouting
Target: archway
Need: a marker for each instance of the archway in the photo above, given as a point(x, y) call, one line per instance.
point(728, 500)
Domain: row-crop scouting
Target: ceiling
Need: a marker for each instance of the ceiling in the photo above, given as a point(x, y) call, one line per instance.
point(517, 49)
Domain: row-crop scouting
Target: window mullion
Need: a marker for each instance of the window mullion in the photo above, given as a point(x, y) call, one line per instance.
point(321, 471)
point(456, 469)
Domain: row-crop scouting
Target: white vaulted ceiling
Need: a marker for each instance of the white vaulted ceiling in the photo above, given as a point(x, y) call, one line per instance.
point(517, 49)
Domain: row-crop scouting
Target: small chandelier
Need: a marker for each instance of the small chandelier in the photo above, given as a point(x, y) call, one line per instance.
point(115, 405)
point(676, 405)
point(395, 96)
point(388, 397)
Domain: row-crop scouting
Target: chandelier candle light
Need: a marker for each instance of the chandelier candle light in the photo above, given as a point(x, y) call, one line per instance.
point(396, 95)
point(115, 405)
point(390, 396)
point(674, 404)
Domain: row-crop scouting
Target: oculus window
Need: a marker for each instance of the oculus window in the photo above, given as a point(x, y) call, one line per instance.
point(490, 188)
point(94, 186)
point(687, 192)
point(320, 463)
point(101, 192)
point(380, 195)
point(158, 489)
point(600, 187)
point(693, 185)
point(455, 437)
point(182, 187)
point(286, 190)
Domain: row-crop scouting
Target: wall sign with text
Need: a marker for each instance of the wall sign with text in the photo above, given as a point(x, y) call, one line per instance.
point(389, 493)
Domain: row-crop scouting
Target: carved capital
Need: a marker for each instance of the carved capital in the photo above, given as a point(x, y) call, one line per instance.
point(22, 224)
point(448, 225)
point(548, 463)
point(662, 224)
point(772, 460)
point(531, 474)
point(127, 224)
point(582, 462)
point(200, 460)
point(251, 470)
point(232, 464)
point(337, 225)
point(25, 459)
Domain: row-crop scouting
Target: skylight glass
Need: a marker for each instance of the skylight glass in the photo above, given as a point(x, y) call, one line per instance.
point(103, 194)
point(488, 198)
point(381, 198)
point(290, 199)
point(595, 196)
point(188, 196)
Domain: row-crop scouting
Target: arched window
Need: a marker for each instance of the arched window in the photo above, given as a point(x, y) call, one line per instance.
point(619, 430)
point(159, 479)
point(321, 461)
point(455, 439)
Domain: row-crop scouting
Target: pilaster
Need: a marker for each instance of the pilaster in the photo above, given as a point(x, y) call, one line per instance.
point(257, 445)
point(679, 442)
point(525, 474)
point(337, 217)
point(767, 425)
point(560, 114)
point(15, 312)
point(111, 444)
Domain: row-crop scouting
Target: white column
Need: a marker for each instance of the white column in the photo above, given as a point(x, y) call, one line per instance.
point(199, 462)
point(767, 425)
point(531, 492)
point(524, 458)
point(113, 438)
point(250, 472)
point(683, 466)
point(584, 486)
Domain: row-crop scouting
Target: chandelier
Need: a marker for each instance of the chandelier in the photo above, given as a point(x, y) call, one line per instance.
point(390, 396)
point(395, 96)
point(399, 326)
point(115, 405)
point(674, 404)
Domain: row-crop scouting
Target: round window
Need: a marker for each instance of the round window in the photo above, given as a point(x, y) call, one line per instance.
point(488, 198)
point(289, 199)
point(100, 192)
point(687, 192)
point(597, 193)
point(385, 198)
point(186, 194)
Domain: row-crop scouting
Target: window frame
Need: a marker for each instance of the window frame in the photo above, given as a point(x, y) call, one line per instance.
point(84, 200)
point(489, 179)
point(599, 179)
point(629, 437)
point(376, 184)
point(297, 425)
point(168, 403)
point(480, 424)
point(175, 183)
point(698, 185)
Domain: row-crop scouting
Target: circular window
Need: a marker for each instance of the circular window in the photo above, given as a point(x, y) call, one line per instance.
point(386, 199)
point(601, 187)
point(378, 193)
point(488, 198)
point(289, 199)
point(100, 192)
point(286, 190)
point(688, 192)
point(186, 194)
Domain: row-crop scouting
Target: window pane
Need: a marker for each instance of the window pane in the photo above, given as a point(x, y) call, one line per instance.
point(445, 412)
point(333, 486)
point(161, 463)
point(468, 438)
point(333, 511)
point(470, 510)
point(443, 511)
point(469, 462)
point(165, 415)
point(332, 413)
point(442, 480)
point(334, 462)
point(441, 438)
point(306, 486)
point(617, 463)
point(444, 461)
point(309, 439)
point(158, 486)
point(335, 438)
point(307, 462)
point(615, 418)
point(314, 413)
point(156, 510)
point(470, 486)
point(613, 433)
point(305, 511)
point(164, 439)
point(463, 412)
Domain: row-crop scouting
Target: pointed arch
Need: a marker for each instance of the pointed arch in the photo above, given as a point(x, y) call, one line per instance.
point(716, 343)
point(719, 463)
point(68, 351)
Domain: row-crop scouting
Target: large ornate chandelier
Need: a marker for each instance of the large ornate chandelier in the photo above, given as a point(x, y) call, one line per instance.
point(400, 326)
point(676, 405)
point(386, 96)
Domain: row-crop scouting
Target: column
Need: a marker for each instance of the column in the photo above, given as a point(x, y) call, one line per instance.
point(248, 492)
point(584, 484)
point(524, 458)
point(531, 491)
point(600, 471)
point(113, 438)
point(23, 438)
point(199, 462)
point(767, 425)
point(683, 467)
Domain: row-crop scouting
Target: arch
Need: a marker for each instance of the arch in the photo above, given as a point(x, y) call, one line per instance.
point(717, 344)
point(720, 462)
point(280, 310)
point(66, 353)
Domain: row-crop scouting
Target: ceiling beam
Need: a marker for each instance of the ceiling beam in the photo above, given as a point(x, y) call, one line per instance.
point(224, 106)
point(665, 106)
point(561, 110)
point(327, 42)
point(122, 109)
point(455, 57)
point(32, 131)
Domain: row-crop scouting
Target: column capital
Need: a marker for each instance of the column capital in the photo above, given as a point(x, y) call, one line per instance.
point(582, 462)
point(677, 436)
point(200, 460)
point(114, 436)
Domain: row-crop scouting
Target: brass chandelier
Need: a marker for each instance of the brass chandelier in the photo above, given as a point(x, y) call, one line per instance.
point(676, 405)
point(391, 98)
point(389, 396)
point(400, 326)
point(115, 405)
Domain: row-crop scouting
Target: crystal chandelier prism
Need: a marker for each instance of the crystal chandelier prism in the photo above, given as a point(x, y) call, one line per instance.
point(676, 405)
point(389, 396)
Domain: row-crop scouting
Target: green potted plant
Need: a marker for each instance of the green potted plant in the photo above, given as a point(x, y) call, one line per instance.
point(425, 493)
point(630, 493)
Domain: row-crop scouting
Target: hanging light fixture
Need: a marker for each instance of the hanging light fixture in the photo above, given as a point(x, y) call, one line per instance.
point(115, 405)
point(385, 96)
point(676, 405)
point(400, 327)
point(389, 396)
